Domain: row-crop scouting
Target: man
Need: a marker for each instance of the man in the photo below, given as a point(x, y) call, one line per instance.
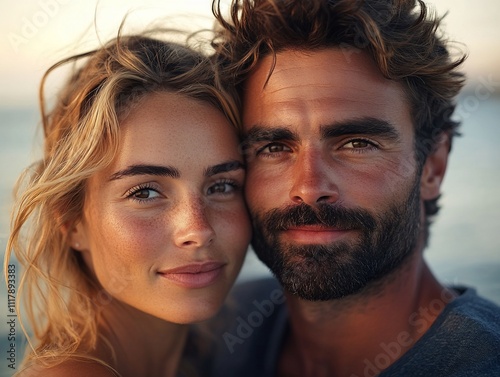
point(347, 111)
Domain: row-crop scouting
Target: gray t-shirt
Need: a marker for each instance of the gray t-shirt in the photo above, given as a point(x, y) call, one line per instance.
point(463, 341)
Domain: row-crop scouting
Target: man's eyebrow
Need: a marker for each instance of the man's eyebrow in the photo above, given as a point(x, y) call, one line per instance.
point(269, 134)
point(132, 170)
point(224, 168)
point(362, 126)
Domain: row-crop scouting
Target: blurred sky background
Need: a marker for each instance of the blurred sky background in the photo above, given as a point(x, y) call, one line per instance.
point(36, 33)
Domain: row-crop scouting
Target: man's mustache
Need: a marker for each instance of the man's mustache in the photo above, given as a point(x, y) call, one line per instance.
point(332, 216)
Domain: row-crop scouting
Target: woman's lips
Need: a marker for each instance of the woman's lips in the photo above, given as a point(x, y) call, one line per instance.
point(313, 234)
point(196, 275)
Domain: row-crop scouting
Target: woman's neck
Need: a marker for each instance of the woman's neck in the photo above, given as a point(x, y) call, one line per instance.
point(138, 344)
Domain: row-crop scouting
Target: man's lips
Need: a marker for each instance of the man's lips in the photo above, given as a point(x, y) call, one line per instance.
point(195, 275)
point(314, 234)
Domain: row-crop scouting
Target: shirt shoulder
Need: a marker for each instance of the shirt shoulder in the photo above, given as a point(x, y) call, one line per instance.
point(463, 341)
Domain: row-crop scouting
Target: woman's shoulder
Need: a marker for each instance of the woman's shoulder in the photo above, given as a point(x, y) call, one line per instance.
point(73, 368)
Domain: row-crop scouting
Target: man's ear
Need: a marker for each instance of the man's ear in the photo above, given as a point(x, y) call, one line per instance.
point(77, 237)
point(434, 169)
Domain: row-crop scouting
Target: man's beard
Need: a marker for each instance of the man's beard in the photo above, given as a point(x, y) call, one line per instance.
point(333, 271)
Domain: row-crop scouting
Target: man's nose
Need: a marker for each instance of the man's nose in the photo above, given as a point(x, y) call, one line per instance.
point(192, 227)
point(313, 179)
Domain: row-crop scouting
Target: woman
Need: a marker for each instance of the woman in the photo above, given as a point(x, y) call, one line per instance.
point(133, 224)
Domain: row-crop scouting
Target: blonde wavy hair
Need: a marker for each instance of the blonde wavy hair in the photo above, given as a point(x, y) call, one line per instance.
point(81, 132)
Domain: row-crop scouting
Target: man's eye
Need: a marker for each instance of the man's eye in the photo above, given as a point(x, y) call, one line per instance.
point(359, 144)
point(274, 148)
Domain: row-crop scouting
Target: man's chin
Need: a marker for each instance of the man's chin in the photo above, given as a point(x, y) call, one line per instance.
point(310, 290)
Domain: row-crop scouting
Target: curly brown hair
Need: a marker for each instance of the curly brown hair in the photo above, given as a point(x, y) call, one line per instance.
point(402, 37)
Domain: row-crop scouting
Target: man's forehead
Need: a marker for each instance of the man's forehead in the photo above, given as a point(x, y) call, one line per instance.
point(288, 66)
point(311, 82)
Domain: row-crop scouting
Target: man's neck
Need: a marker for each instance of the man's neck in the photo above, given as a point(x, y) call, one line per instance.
point(368, 331)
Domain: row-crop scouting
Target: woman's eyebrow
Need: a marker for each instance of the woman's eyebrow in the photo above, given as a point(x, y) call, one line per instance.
point(133, 170)
point(169, 171)
point(224, 167)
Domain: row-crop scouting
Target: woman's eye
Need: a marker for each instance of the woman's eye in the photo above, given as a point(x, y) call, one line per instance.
point(222, 188)
point(143, 194)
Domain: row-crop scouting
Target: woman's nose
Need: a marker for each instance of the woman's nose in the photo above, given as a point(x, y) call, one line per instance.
point(192, 228)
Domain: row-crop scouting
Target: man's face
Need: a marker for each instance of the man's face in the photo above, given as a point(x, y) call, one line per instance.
point(332, 183)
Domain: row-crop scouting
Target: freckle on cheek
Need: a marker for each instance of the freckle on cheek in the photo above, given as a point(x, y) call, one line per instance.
point(146, 229)
point(137, 233)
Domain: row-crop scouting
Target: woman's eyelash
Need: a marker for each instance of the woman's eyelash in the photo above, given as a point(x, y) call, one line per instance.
point(131, 194)
point(234, 185)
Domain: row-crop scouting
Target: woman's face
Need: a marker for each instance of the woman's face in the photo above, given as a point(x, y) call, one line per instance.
point(165, 227)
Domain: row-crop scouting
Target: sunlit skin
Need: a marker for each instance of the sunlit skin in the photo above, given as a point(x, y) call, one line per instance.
point(329, 128)
point(165, 227)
